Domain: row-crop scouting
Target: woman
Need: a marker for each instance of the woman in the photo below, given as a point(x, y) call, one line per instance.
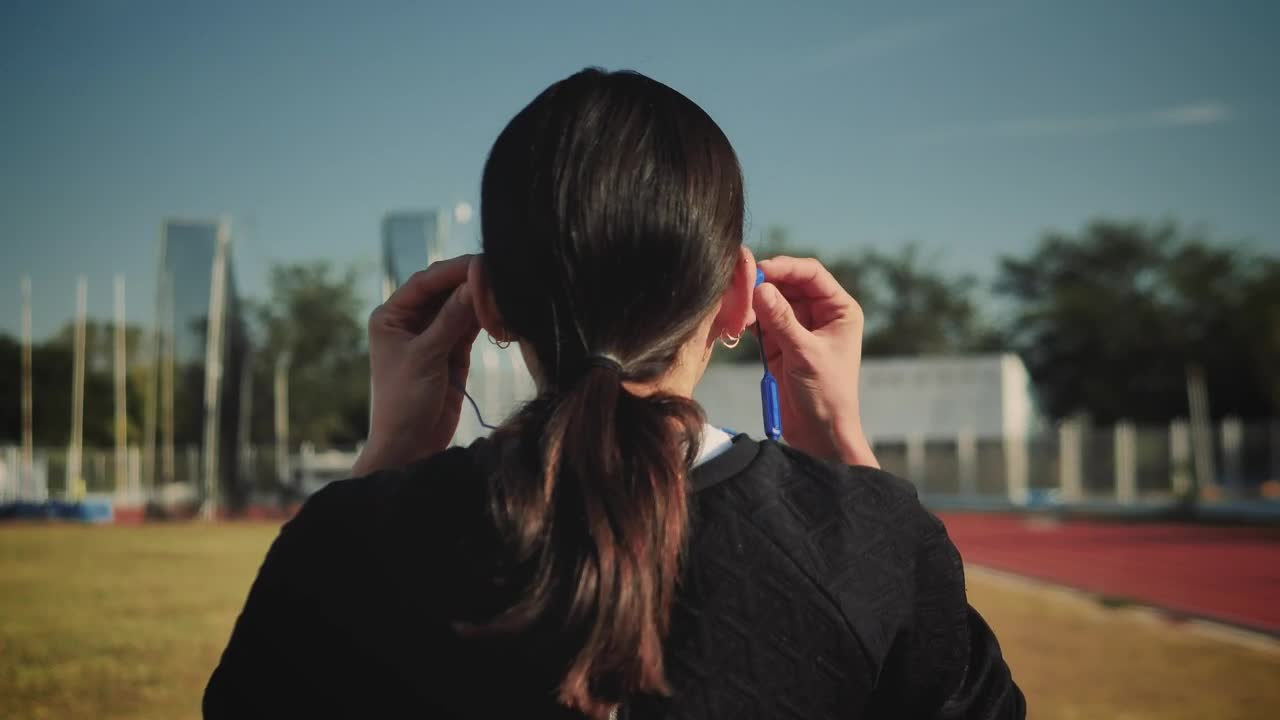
point(606, 551)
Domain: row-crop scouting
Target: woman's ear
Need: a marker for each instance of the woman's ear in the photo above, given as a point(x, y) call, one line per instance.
point(482, 296)
point(736, 311)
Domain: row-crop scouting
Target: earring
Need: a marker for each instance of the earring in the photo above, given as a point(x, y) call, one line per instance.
point(500, 344)
point(732, 342)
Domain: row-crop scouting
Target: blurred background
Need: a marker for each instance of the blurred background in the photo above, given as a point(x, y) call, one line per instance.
point(1060, 219)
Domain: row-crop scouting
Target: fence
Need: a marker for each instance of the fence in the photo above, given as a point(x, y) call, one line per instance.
point(1072, 463)
point(258, 476)
point(1077, 463)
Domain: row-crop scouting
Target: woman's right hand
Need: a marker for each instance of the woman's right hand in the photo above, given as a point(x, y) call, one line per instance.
point(419, 355)
point(813, 343)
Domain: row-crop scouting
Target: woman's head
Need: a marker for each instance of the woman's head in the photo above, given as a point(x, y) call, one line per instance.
point(612, 213)
point(612, 216)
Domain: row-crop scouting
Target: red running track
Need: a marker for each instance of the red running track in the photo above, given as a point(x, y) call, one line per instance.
point(1225, 573)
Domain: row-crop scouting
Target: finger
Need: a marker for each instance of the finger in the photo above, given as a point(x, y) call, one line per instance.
point(426, 285)
point(805, 277)
point(460, 359)
point(777, 319)
point(455, 324)
point(815, 309)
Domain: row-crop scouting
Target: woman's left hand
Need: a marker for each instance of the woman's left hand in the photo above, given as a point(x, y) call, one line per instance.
point(419, 354)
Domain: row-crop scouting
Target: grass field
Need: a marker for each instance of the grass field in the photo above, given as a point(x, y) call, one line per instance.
point(127, 622)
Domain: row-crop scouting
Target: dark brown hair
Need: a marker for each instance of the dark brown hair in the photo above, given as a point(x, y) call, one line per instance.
point(612, 217)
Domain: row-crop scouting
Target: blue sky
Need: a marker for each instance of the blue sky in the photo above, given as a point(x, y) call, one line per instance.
point(968, 128)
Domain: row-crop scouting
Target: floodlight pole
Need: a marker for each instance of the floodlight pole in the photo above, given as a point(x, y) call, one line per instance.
point(27, 476)
point(121, 366)
point(75, 459)
point(213, 372)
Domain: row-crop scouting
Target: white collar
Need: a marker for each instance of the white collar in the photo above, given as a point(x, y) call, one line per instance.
point(714, 443)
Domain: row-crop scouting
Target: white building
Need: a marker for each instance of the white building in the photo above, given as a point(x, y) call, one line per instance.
point(933, 398)
point(979, 406)
point(930, 398)
point(940, 397)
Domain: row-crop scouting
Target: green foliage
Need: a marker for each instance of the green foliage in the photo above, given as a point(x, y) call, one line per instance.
point(51, 365)
point(1109, 319)
point(911, 307)
point(313, 313)
point(915, 309)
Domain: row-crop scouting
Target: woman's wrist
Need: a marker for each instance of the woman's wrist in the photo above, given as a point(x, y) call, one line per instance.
point(851, 447)
point(842, 444)
point(379, 453)
point(368, 461)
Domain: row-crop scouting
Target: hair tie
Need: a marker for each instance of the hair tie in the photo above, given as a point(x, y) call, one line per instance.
point(606, 361)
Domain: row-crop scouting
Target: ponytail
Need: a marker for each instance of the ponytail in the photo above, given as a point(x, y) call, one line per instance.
point(611, 216)
point(597, 521)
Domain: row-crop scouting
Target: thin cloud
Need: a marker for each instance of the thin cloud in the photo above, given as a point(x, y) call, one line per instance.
point(872, 43)
point(884, 40)
point(1209, 113)
point(1190, 115)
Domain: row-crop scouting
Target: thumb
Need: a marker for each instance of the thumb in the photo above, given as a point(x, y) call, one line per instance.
point(776, 317)
point(455, 323)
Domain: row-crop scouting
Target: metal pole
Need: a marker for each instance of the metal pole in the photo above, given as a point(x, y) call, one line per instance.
point(283, 472)
point(966, 459)
point(27, 476)
point(121, 366)
point(1232, 434)
point(1126, 462)
point(1180, 458)
point(152, 410)
point(244, 423)
point(1070, 480)
point(915, 460)
point(1014, 446)
point(168, 460)
point(1201, 428)
point(75, 471)
point(213, 372)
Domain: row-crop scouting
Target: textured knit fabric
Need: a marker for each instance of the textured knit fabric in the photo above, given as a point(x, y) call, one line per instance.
point(810, 590)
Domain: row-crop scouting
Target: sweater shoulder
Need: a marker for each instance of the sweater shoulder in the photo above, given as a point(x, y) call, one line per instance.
point(856, 532)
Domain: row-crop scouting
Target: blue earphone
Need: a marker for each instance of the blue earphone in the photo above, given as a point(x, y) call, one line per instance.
point(769, 405)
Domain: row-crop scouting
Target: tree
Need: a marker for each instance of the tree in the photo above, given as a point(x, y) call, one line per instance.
point(1109, 320)
point(911, 308)
point(916, 310)
point(51, 365)
point(1261, 298)
point(314, 314)
point(10, 390)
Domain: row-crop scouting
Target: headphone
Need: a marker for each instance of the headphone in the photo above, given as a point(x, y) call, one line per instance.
point(769, 406)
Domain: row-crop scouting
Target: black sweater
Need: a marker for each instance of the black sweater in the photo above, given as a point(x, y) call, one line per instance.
point(809, 590)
